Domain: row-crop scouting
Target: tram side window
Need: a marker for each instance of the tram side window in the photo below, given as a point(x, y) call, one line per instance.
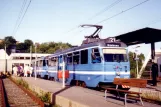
point(84, 56)
point(53, 61)
point(40, 63)
point(45, 62)
point(76, 57)
point(69, 59)
point(95, 56)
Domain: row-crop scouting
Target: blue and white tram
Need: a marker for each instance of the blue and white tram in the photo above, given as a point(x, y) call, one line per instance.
point(96, 61)
point(92, 64)
point(41, 67)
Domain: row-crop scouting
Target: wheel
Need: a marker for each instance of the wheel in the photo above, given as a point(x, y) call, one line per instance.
point(84, 85)
point(77, 83)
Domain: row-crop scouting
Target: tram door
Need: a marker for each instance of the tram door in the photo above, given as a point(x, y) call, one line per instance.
point(60, 67)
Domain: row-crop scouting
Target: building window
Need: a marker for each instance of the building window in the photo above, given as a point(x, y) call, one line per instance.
point(27, 57)
point(21, 57)
point(15, 57)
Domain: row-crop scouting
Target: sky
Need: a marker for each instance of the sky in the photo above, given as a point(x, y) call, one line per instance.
point(59, 20)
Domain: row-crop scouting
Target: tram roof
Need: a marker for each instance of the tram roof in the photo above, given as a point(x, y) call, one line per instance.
point(101, 42)
point(144, 35)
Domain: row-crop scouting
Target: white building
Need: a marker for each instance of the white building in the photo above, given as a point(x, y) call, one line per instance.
point(16, 59)
point(3, 56)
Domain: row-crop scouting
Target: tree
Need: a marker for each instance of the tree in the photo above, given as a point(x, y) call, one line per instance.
point(27, 44)
point(10, 43)
point(2, 45)
point(21, 47)
point(133, 63)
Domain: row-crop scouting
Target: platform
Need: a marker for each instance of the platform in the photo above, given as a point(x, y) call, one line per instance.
point(77, 96)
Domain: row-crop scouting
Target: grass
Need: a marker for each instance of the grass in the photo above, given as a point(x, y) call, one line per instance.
point(56, 106)
point(44, 96)
point(155, 96)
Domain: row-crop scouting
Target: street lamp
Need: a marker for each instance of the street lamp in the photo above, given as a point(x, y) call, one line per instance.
point(136, 58)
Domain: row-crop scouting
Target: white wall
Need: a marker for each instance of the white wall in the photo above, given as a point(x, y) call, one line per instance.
point(11, 61)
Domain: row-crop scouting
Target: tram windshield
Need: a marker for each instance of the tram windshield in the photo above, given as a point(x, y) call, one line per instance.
point(115, 55)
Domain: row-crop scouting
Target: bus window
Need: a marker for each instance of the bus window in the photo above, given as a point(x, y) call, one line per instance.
point(69, 58)
point(84, 57)
point(95, 56)
point(76, 58)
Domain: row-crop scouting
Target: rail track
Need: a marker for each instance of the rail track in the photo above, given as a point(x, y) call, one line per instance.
point(11, 95)
point(3, 98)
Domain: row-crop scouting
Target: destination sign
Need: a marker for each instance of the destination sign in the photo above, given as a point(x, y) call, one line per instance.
point(113, 44)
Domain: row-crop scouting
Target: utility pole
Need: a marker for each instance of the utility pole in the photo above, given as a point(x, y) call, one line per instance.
point(5, 60)
point(63, 57)
point(137, 69)
point(35, 60)
point(136, 58)
point(30, 55)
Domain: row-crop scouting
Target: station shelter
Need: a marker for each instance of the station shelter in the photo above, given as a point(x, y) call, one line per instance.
point(145, 35)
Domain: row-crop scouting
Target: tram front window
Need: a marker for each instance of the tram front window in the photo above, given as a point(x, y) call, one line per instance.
point(115, 55)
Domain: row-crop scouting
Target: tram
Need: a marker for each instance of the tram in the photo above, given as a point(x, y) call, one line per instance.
point(97, 61)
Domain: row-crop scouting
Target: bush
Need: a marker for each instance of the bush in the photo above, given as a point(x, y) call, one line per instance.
point(132, 74)
point(23, 83)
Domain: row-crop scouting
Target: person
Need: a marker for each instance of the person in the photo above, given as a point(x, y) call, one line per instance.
point(154, 73)
point(31, 70)
point(21, 70)
point(26, 69)
point(15, 70)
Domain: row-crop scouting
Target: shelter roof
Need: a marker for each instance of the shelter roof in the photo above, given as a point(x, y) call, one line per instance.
point(145, 35)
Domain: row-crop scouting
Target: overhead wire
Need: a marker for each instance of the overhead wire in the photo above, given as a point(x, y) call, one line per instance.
point(100, 12)
point(123, 11)
point(105, 9)
point(22, 17)
point(19, 16)
point(154, 22)
point(120, 12)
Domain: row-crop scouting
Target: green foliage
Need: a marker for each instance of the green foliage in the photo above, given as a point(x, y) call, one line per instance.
point(27, 44)
point(57, 106)
point(23, 83)
point(52, 47)
point(9, 41)
point(133, 66)
point(21, 47)
point(45, 97)
point(24, 47)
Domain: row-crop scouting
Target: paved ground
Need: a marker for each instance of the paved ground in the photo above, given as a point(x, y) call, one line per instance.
point(88, 97)
point(16, 96)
